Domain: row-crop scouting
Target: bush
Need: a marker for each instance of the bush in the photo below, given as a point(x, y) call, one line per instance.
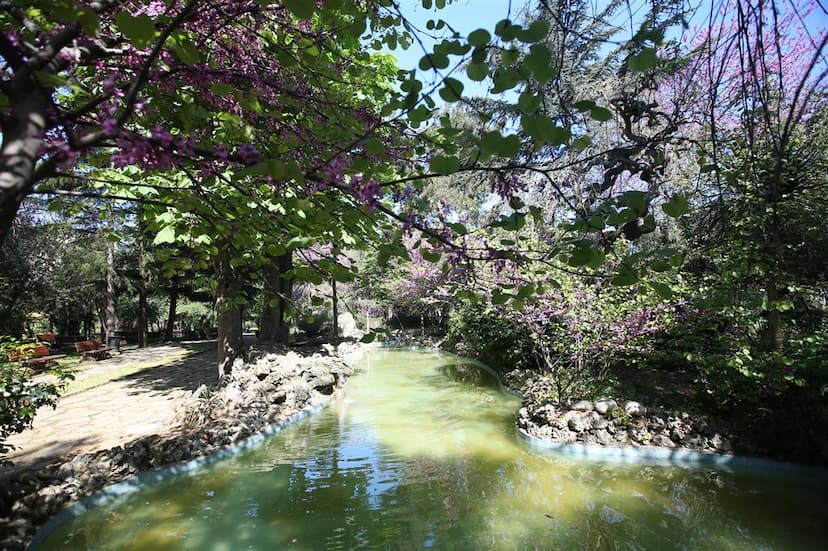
point(20, 397)
point(481, 332)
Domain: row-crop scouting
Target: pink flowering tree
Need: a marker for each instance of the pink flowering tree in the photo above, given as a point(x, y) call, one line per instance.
point(758, 83)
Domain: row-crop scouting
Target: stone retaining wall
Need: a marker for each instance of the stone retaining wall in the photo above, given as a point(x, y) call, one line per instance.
point(612, 423)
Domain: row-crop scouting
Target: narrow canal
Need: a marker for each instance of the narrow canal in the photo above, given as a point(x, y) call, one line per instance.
point(421, 452)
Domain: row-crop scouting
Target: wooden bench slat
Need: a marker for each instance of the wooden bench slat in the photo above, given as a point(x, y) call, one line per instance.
point(92, 349)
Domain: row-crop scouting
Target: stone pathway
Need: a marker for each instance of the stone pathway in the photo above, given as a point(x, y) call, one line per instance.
point(117, 411)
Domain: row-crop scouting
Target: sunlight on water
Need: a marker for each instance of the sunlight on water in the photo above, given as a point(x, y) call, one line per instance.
point(421, 452)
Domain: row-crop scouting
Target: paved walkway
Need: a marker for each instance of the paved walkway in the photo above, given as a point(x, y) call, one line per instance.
point(119, 410)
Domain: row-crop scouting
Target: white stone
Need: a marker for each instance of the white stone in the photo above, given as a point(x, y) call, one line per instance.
point(605, 406)
point(634, 408)
point(580, 421)
point(581, 405)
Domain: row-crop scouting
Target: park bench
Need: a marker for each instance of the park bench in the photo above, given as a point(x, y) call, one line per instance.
point(36, 356)
point(47, 337)
point(92, 349)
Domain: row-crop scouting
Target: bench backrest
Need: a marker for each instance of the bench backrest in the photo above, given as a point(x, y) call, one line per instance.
point(47, 337)
point(28, 352)
point(84, 346)
point(41, 350)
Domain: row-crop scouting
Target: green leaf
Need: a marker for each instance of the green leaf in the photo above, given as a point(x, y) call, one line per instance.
point(580, 257)
point(368, 338)
point(624, 278)
point(187, 52)
point(645, 60)
point(374, 146)
point(536, 31)
point(477, 71)
point(620, 218)
point(303, 9)
point(582, 143)
point(597, 259)
point(663, 290)
point(510, 146)
point(601, 114)
point(430, 256)
point(636, 200)
point(140, 30)
point(452, 90)
point(552, 134)
point(507, 57)
point(660, 266)
point(442, 164)
point(539, 63)
point(528, 102)
point(676, 206)
point(434, 61)
point(458, 228)
point(499, 297)
point(166, 235)
point(479, 38)
point(493, 143)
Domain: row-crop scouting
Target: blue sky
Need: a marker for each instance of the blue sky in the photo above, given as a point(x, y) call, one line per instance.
point(465, 16)
point(468, 15)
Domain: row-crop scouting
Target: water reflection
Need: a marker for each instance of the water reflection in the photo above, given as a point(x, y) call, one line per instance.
point(421, 453)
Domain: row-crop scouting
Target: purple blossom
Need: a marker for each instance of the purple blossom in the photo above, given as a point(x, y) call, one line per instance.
point(164, 138)
point(109, 127)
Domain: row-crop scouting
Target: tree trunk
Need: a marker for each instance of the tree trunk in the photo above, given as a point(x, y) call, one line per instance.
point(228, 315)
point(274, 327)
point(775, 330)
point(22, 137)
point(335, 301)
point(111, 313)
point(168, 331)
point(142, 314)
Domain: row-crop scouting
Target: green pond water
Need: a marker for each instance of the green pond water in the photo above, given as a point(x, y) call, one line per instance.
point(421, 452)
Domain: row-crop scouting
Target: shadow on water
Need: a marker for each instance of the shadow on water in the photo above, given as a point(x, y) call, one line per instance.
point(373, 471)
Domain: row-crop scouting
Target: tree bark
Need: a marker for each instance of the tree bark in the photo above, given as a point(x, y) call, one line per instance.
point(168, 331)
point(335, 301)
point(775, 329)
point(111, 313)
point(142, 313)
point(274, 327)
point(22, 137)
point(228, 315)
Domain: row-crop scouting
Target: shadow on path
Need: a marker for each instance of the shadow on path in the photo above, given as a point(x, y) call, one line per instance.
point(186, 374)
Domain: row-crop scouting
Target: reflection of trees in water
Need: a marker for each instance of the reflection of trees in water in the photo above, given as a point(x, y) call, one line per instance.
point(468, 373)
point(334, 483)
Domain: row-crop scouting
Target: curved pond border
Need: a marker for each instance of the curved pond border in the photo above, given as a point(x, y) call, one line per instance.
point(629, 455)
point(647, 455)
point(114, 492)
